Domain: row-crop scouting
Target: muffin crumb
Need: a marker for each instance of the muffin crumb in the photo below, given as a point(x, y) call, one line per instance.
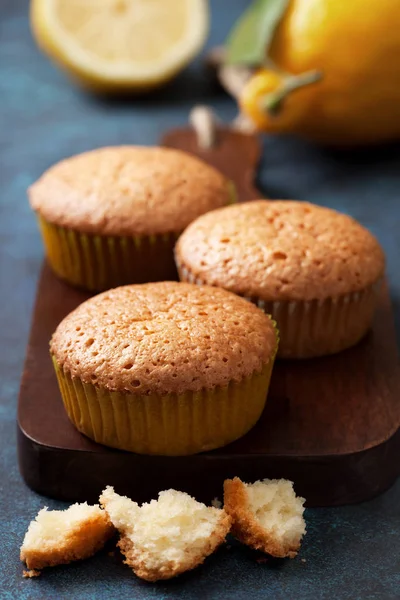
point(31, 573)
point(58, 537)
point(266, 515)
point(165, 537)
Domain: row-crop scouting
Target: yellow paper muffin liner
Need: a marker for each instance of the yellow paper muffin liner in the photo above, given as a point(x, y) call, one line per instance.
point(315, 328)
point(96, 263)
point(233, 195)
point(171, 424)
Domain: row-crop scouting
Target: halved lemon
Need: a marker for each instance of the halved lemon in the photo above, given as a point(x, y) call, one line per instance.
point(115, 45)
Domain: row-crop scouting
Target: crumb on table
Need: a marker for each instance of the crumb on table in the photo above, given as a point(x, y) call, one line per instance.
point(30, 573)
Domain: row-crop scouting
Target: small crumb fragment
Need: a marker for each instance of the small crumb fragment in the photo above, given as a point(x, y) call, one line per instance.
point(262, 560)
point(216, 503)
point(112, 553)
point(303, 560)
point(31, 573)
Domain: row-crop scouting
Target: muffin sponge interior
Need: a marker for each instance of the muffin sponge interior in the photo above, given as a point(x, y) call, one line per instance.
point(61, 536)
point(267, 515)
point(167, 536)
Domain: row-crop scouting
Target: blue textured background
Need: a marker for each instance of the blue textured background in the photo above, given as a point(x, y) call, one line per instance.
point(350, 553)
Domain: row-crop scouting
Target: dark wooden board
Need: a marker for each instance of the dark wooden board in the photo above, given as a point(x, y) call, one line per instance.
point(331, 424)
point(235, 154)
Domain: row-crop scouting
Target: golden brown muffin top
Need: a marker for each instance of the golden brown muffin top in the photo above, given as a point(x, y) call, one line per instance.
point(163, 338)
point(127, 190)
point(281, 250)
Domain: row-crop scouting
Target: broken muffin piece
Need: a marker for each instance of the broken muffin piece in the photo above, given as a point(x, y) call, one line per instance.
point(58, 537)
point(167, 536)
point(266, 515)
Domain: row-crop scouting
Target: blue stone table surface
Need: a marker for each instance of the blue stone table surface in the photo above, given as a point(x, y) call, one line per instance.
point(349, 553)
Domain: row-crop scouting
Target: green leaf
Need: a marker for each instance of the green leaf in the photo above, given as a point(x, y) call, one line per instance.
point(251, 37)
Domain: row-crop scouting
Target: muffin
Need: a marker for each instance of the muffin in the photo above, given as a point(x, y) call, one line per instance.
point(111, 216)
point(164, 368)
point(316, 271)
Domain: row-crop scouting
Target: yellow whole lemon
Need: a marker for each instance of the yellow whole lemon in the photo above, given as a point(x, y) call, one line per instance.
point(355, 45)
